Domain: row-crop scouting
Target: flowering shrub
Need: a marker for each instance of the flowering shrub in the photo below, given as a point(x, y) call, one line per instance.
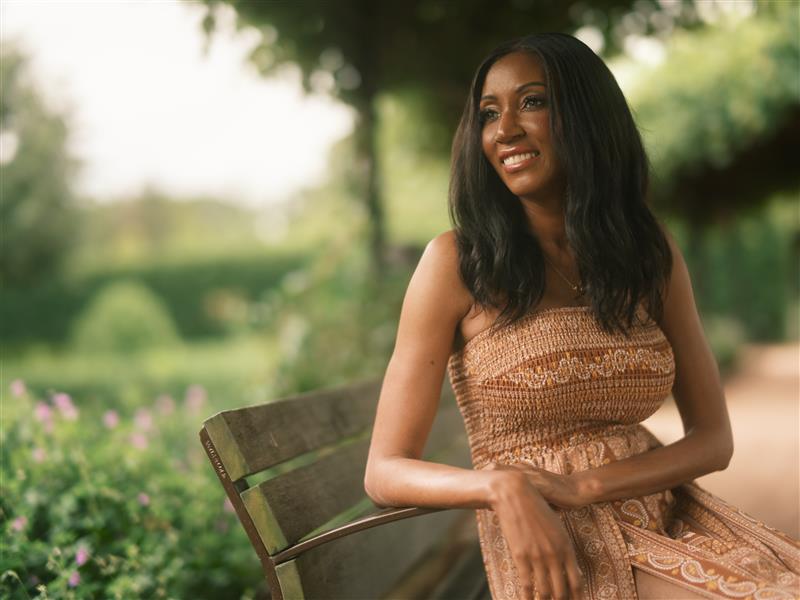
point(105, 504)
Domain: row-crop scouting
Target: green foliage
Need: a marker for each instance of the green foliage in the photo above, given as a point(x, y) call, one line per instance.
point(428, 48)
point(124, 317)
point(154, 228)
point(201, 294)
point(725, 336)
point(36, 211)
point(115, 505)
point(235, 371)
point(722, 94)
point(334, 324)
point(415, 183)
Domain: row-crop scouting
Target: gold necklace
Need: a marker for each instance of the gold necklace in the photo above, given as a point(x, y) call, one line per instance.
point(577, 288)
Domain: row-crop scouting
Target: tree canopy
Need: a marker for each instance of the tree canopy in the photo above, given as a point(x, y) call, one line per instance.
point(721, 116)
point(35, 176)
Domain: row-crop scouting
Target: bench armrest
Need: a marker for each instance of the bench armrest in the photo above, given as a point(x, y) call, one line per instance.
point(385, 515)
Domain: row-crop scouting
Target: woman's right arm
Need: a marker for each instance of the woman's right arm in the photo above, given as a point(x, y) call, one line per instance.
point(435, 303)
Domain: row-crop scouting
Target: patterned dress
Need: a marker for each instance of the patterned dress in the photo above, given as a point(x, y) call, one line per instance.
point(558, 392)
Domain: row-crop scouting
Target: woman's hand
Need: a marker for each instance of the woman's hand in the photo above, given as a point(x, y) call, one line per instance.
point(539, 544)
point(563, 491)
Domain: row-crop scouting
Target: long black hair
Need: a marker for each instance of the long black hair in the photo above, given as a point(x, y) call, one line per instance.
point(622, 254)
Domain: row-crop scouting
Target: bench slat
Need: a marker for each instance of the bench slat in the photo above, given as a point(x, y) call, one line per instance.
point(331, 485)
point(366, 564)
point(254, 438)
point(316, 444)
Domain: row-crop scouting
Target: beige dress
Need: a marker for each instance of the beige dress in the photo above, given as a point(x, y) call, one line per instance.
point(557, 391)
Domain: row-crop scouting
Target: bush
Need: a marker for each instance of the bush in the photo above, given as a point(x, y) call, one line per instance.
point(46, 312)
point(334, 322)
point(124, 317)
point(115, 505)
point(726, 336)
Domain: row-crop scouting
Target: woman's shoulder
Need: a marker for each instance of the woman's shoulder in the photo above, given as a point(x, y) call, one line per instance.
point(444, 248)
point(439, 266)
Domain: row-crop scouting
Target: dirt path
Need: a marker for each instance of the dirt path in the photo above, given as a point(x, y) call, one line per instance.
point(763, 397)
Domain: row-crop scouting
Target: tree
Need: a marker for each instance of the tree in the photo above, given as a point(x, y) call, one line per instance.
point(721, 131)
point(425, 48)
point(36, 203)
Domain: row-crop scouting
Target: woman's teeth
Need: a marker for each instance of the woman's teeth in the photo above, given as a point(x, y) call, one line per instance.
point(517, 158)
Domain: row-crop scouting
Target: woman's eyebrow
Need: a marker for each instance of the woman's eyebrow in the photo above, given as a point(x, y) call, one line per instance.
point(518, 90)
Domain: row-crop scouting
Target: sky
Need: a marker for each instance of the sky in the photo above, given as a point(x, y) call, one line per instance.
point(147, 107)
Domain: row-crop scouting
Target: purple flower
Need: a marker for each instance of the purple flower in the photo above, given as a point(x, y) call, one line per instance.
point(143, 499)
point(74, 579)
point(111, 419)
point(165, 404)
point(143, 419)
point(18, 388)
point(39, 454)
point(139, 441)
point(81, 556)
point(19, 523)
point(227, 506)
point(195, 398)
point(63, 402)
point(42, 412)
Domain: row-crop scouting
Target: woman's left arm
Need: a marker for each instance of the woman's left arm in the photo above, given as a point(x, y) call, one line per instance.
point(708, 442)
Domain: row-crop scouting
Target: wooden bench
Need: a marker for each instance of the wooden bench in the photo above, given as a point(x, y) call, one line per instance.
point(294, 471)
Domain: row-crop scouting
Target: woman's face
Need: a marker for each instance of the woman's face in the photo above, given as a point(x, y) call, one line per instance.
point(515, 116)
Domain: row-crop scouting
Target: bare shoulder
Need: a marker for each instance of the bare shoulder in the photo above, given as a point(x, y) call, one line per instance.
point(433, 306)
point(680, 310)
point(673, 245)
point(438, 269)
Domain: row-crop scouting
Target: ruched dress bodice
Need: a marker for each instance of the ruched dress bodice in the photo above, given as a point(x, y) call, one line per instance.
point(556, 391)
point(555, 378)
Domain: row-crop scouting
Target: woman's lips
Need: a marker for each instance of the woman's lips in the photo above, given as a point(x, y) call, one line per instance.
point(520, 165)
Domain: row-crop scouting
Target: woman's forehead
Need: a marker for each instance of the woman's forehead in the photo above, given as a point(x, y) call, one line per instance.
point(511, 71)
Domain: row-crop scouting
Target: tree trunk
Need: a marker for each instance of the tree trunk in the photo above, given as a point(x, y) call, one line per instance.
point(368, 64)
point(369, 161)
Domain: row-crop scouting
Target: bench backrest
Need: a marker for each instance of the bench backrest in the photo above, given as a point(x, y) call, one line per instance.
point(294, 471)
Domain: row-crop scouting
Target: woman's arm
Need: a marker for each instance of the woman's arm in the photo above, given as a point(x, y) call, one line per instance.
point(708, 442)
point(435, 303)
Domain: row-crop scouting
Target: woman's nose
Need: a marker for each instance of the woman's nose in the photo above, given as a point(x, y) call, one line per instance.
point(508, 127)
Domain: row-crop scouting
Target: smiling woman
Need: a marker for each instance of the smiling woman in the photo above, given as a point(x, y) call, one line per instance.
point(524, 110)
point(562, 312)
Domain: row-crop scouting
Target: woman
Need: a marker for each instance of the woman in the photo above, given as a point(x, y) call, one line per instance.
point(563, 314)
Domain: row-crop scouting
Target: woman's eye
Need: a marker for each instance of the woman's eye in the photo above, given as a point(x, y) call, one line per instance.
point(487, 113)
point(538, 99)
point(484, 115)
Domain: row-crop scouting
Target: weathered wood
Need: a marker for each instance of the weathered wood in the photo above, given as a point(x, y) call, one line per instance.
point(366, 565)
point(466, 579)
point(290, 506)
point(233, 494)
point(255, 438)
point(306, 518)
point(449, 571)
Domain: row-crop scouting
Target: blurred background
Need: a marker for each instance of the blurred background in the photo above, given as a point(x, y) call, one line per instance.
point(213, 204)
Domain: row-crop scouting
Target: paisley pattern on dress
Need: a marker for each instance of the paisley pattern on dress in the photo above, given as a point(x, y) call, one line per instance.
point(556, 391)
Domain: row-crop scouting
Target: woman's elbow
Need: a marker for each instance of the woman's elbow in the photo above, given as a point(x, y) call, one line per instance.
point(725, 452)
point(372, 489)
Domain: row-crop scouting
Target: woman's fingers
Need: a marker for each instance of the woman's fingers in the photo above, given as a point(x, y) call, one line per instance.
point(525, 574)
point(542, 578)
point(575, 579)
point(558, 583)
